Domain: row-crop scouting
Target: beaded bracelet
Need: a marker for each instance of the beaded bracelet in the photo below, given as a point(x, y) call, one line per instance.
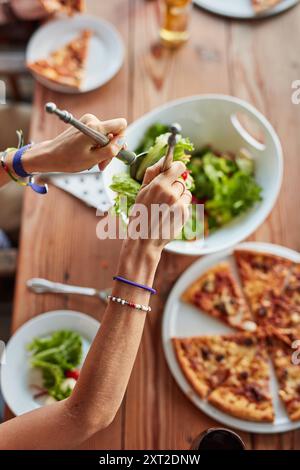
point(134, 284)
point(128, 303)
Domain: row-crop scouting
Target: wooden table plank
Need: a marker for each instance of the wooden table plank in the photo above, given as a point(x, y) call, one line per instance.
point(266, 83)
point(223, 57)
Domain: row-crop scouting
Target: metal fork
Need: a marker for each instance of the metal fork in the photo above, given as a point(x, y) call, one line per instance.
point(42, 286)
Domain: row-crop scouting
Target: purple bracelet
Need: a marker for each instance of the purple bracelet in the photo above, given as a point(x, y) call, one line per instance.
point(134, 284)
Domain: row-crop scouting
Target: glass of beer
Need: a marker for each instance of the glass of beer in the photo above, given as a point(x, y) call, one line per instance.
point(174, 21)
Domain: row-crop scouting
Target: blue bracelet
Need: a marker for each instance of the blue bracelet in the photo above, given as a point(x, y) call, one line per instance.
point(17, 162)
point(134, 284)
point(19, 170)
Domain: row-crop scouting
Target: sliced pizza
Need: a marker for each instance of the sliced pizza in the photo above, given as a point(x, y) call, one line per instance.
point(207, 361)
point(264, 276)
point(260, 6)
point(64, 6)
point(246, 392)
point(293, 285)
point(286, 360)
point(285, 314)
point(217, 293)
point(285, 311)
point(66, 65)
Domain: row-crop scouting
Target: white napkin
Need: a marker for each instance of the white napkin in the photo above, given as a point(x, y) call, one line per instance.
point(87, 187)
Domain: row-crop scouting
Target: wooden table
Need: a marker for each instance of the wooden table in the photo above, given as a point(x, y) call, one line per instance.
point(254, 60)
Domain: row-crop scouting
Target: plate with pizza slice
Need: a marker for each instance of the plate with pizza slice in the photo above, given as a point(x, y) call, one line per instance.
point(246, 9)
point(231, 328)
point(75, 55)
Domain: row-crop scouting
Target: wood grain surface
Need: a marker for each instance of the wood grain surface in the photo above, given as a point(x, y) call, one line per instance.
point(255, 60)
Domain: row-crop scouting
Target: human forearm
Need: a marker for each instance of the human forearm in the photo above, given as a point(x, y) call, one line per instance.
point(105, 374)
point(49, 427)
point(35, 160)
point(107, 369)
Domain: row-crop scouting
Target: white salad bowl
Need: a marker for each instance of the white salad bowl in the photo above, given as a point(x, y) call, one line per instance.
point(16, 374)
point(212, 119)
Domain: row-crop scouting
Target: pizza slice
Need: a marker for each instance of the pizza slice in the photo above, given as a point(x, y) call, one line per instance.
point(260, 6)
point(64, 6)
point(291, 294)
point(207, 361)
point(217, 293)
point(66, 65)
point(286, 360)
point(264, 277)
point(246, 392)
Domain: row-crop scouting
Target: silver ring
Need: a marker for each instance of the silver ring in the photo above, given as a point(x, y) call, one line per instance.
point(183, 186)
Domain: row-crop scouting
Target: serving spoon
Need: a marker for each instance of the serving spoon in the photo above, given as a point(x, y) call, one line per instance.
point(126, 156)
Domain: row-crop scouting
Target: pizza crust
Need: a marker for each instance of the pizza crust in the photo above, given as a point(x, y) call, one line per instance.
point(200, 387)
point(68, 6)
point(239, 406)
point(260, 6)
point(295, 416)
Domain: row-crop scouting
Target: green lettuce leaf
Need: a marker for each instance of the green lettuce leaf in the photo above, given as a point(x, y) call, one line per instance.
point(182, 152)
point(126, 189)
point(150, 136)
point(54, 355)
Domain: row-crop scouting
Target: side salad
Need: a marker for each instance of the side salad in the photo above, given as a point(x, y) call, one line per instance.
point(57, 356)
point(222, 181)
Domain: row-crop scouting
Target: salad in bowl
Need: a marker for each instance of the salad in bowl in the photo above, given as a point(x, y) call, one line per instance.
point(236, 177)
point(223, 182)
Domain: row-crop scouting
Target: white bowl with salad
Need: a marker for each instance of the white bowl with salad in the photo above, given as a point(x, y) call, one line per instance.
point(234, 175)
point(43, 359)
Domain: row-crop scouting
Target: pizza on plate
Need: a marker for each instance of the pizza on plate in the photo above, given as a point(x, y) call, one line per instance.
point(246, 392)
point(207, 361)
point(66, 65)
point(260, 6)
point(232, 372)
point(264, 277)
point(64, 6)
point(217, 293)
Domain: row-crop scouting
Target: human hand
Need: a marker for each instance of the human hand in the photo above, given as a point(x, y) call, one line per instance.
point(71, 151)
point(162, 193)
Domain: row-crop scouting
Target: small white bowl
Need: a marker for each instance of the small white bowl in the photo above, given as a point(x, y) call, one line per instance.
point(16, 374)
point(212, 119)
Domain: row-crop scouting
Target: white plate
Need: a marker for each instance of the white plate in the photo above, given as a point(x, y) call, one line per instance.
point(106, 52)
point(242, 8)
point(180, 320)
point(16, 374)
point(211, 119)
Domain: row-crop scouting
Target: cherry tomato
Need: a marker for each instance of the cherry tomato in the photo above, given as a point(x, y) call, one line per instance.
point(185, 175)
point(72, 374)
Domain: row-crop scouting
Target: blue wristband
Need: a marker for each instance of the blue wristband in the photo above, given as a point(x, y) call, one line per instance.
point(17, 162)
point(134, 284)
point(38, 188)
